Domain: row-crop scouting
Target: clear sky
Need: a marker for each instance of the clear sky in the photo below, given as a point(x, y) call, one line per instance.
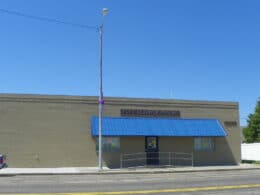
point(185, 49)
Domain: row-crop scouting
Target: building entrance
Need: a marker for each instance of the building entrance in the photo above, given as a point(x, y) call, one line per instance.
point(152, 150)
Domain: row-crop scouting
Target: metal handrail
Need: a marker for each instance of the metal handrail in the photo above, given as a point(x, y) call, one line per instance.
point(140, 159)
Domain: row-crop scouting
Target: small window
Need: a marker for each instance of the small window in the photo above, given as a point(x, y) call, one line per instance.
point(109, 144)
point(204, 143)
point(151, 143)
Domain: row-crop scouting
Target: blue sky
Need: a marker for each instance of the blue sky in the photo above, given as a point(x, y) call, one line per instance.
point(186, 49)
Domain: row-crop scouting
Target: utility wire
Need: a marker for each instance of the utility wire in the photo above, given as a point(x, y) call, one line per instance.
point(47, 19)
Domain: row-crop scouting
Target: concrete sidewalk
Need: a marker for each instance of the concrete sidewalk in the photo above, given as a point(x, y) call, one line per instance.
point(94, 170)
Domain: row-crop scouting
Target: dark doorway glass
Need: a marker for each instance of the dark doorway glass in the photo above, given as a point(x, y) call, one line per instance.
point(152, 150)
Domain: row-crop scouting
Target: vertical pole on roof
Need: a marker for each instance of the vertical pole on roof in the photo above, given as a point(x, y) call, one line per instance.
point(101, 100)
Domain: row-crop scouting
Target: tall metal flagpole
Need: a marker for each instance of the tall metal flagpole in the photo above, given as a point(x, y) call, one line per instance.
point(101, 99)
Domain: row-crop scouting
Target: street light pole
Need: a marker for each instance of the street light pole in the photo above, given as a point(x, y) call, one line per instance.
point(101, 99)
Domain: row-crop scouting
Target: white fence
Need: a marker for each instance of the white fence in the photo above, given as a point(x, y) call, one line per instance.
point(250, 151)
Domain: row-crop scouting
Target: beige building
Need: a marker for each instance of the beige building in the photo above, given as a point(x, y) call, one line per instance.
point(61, 131)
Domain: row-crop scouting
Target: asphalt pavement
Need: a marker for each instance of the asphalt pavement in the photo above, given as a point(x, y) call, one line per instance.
point(212, 182)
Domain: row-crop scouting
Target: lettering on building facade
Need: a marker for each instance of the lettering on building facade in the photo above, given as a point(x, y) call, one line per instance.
point(150, 113)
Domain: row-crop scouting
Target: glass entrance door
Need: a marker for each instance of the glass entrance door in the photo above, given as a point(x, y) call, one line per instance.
point(152, 149)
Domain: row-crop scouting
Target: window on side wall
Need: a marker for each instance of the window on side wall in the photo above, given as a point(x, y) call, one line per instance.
point(109, 144)
point(204, 143)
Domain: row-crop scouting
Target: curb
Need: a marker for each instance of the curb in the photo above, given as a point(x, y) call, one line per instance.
point(129, 172)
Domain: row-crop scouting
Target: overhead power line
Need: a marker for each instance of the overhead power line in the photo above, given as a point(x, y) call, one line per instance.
point(40, 18)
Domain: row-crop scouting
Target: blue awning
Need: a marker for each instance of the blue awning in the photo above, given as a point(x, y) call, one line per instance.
point(124, 126)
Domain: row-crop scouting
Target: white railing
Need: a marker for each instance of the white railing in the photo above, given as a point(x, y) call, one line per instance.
point(145, 159)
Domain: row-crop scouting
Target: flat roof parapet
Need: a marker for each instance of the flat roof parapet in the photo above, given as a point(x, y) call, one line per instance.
point(124, 101)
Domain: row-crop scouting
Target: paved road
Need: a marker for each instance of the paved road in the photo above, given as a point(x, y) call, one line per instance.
point(222, 182)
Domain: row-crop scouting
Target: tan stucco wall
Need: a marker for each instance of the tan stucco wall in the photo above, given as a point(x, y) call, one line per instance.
point(176, 144)
point(46, 134)
point(54, 131)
